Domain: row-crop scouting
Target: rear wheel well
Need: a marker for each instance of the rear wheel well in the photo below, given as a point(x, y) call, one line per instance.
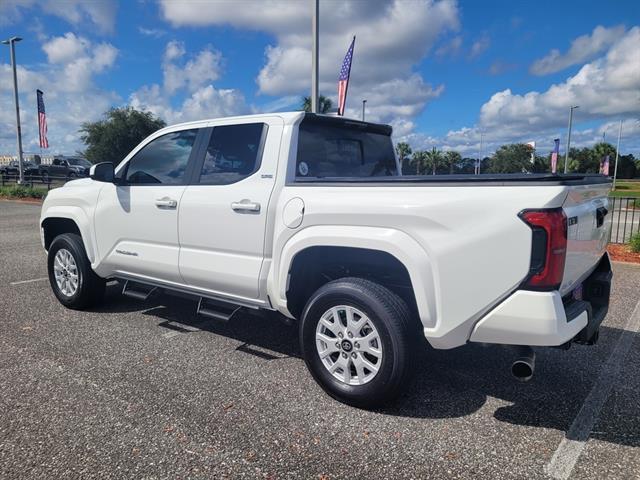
point(314, 266)
point(57, 226)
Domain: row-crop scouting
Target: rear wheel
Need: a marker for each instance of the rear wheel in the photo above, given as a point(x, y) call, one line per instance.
point(356, 340)
point(45, 177)
point(73, 281)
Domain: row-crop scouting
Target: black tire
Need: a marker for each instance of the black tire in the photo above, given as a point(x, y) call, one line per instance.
point(91, 287)
point(391, 318)
point(45, 177)
point(72, 175)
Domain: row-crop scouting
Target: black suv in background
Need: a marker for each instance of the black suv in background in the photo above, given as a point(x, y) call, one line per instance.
point(69, 167)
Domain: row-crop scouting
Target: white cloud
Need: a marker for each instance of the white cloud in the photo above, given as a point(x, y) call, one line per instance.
point(480, 46)
point(451, 48)
point(194, 77)
point(66, 48)
point(75, 60)
point(607, 87)
point(582, 49)
point(152, 32)
point(101, 14)
point(392, 37)
point(71, 96)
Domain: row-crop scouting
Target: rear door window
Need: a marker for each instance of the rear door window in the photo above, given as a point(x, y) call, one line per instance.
point(342, 149)
point(234, 153)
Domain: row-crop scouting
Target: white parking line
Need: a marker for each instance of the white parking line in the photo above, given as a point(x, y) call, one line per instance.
point(29, 281)
point(569, 450)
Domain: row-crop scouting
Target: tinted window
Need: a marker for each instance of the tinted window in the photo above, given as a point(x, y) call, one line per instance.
point(343, 149)
point(164, 160)
point(233, 153)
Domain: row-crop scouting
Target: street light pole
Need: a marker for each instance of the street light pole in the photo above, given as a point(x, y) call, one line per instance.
point(615, 168)
point(363, 103)
point(11, 42)
point(314, 56)
point(480, 159)
point(566, 154)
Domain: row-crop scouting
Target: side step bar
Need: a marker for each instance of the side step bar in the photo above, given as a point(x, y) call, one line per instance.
point(220, 311)
point(139, 291)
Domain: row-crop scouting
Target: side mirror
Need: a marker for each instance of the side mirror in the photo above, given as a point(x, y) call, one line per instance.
point(102, 172)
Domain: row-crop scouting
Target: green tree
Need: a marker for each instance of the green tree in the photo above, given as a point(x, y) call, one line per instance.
point(122, 129)
point(419, 161)
point(324, 104)
point(453, 160)
point(628, 167)
point(434, 159)
point(512, 158)
point(403, 150)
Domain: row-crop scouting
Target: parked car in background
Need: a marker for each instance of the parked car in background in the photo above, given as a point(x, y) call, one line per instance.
point(11, 169)
point(71, 167)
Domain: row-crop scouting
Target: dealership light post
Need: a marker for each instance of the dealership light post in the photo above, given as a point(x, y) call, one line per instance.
point(615, 168)
point(363, 103)
point(11, 42)
point(314, 56)
point(566, 154)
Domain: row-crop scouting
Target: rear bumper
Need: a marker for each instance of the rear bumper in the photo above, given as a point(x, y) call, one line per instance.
point(545, 318)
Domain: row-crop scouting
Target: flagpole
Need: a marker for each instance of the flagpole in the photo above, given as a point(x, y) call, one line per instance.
point(314, 56)
point(615, 168)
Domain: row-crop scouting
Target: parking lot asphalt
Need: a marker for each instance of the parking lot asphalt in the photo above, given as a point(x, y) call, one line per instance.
point(148, 389)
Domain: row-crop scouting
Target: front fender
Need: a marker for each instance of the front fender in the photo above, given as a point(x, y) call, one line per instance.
point(404, 248)
point(81, 219)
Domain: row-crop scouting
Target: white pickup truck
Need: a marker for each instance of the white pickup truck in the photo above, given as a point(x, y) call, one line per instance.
point(309, 215)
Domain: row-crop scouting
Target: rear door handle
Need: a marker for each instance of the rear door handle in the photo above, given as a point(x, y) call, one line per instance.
point(245, 205)
point(166, 202)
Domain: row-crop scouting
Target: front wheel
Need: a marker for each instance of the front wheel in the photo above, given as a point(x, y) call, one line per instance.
point(73, 281)
point(45, 177)
point(355, 336)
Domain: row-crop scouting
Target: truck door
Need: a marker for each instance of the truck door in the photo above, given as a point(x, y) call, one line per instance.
point(223, 213)
point(136, 220)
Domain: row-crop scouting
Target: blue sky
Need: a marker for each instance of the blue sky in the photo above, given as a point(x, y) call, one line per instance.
point(441, 72)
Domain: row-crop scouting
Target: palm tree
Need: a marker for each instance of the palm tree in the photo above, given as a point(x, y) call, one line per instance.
point(452, 159)
point(403, 150)
point(324, 104)
point(419, 159)
point(434, 159)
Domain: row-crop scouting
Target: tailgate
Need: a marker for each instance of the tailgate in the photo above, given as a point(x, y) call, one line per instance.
point(588, 224)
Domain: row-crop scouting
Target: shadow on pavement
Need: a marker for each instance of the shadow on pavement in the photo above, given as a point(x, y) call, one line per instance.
point(447, 384)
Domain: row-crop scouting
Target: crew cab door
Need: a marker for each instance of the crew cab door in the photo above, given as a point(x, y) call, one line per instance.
point(223, 213)
point(136, 220)
point(58, 167)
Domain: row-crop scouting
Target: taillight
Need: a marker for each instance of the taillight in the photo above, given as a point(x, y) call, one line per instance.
point(548, 247)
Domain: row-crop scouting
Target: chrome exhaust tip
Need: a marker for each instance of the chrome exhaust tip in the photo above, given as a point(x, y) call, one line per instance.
point(524, 365)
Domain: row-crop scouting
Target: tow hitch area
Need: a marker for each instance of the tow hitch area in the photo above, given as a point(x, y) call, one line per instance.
point(596, 291)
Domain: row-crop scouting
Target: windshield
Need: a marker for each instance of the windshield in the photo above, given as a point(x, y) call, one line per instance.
point(81, 162)
point(330, 147)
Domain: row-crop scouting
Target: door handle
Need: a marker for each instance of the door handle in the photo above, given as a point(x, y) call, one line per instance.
point(600, 214)
point(166, 202)
point(245, 205)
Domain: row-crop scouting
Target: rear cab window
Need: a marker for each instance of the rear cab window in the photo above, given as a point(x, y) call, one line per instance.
point(335, 148)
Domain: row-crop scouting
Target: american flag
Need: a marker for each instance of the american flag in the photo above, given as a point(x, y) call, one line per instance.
point(554, 155)
point(343, 81)
point(604, 165)
point(42, 121)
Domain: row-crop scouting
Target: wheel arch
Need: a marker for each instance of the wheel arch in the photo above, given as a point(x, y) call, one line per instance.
point(383, 255)
point(57, 222)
